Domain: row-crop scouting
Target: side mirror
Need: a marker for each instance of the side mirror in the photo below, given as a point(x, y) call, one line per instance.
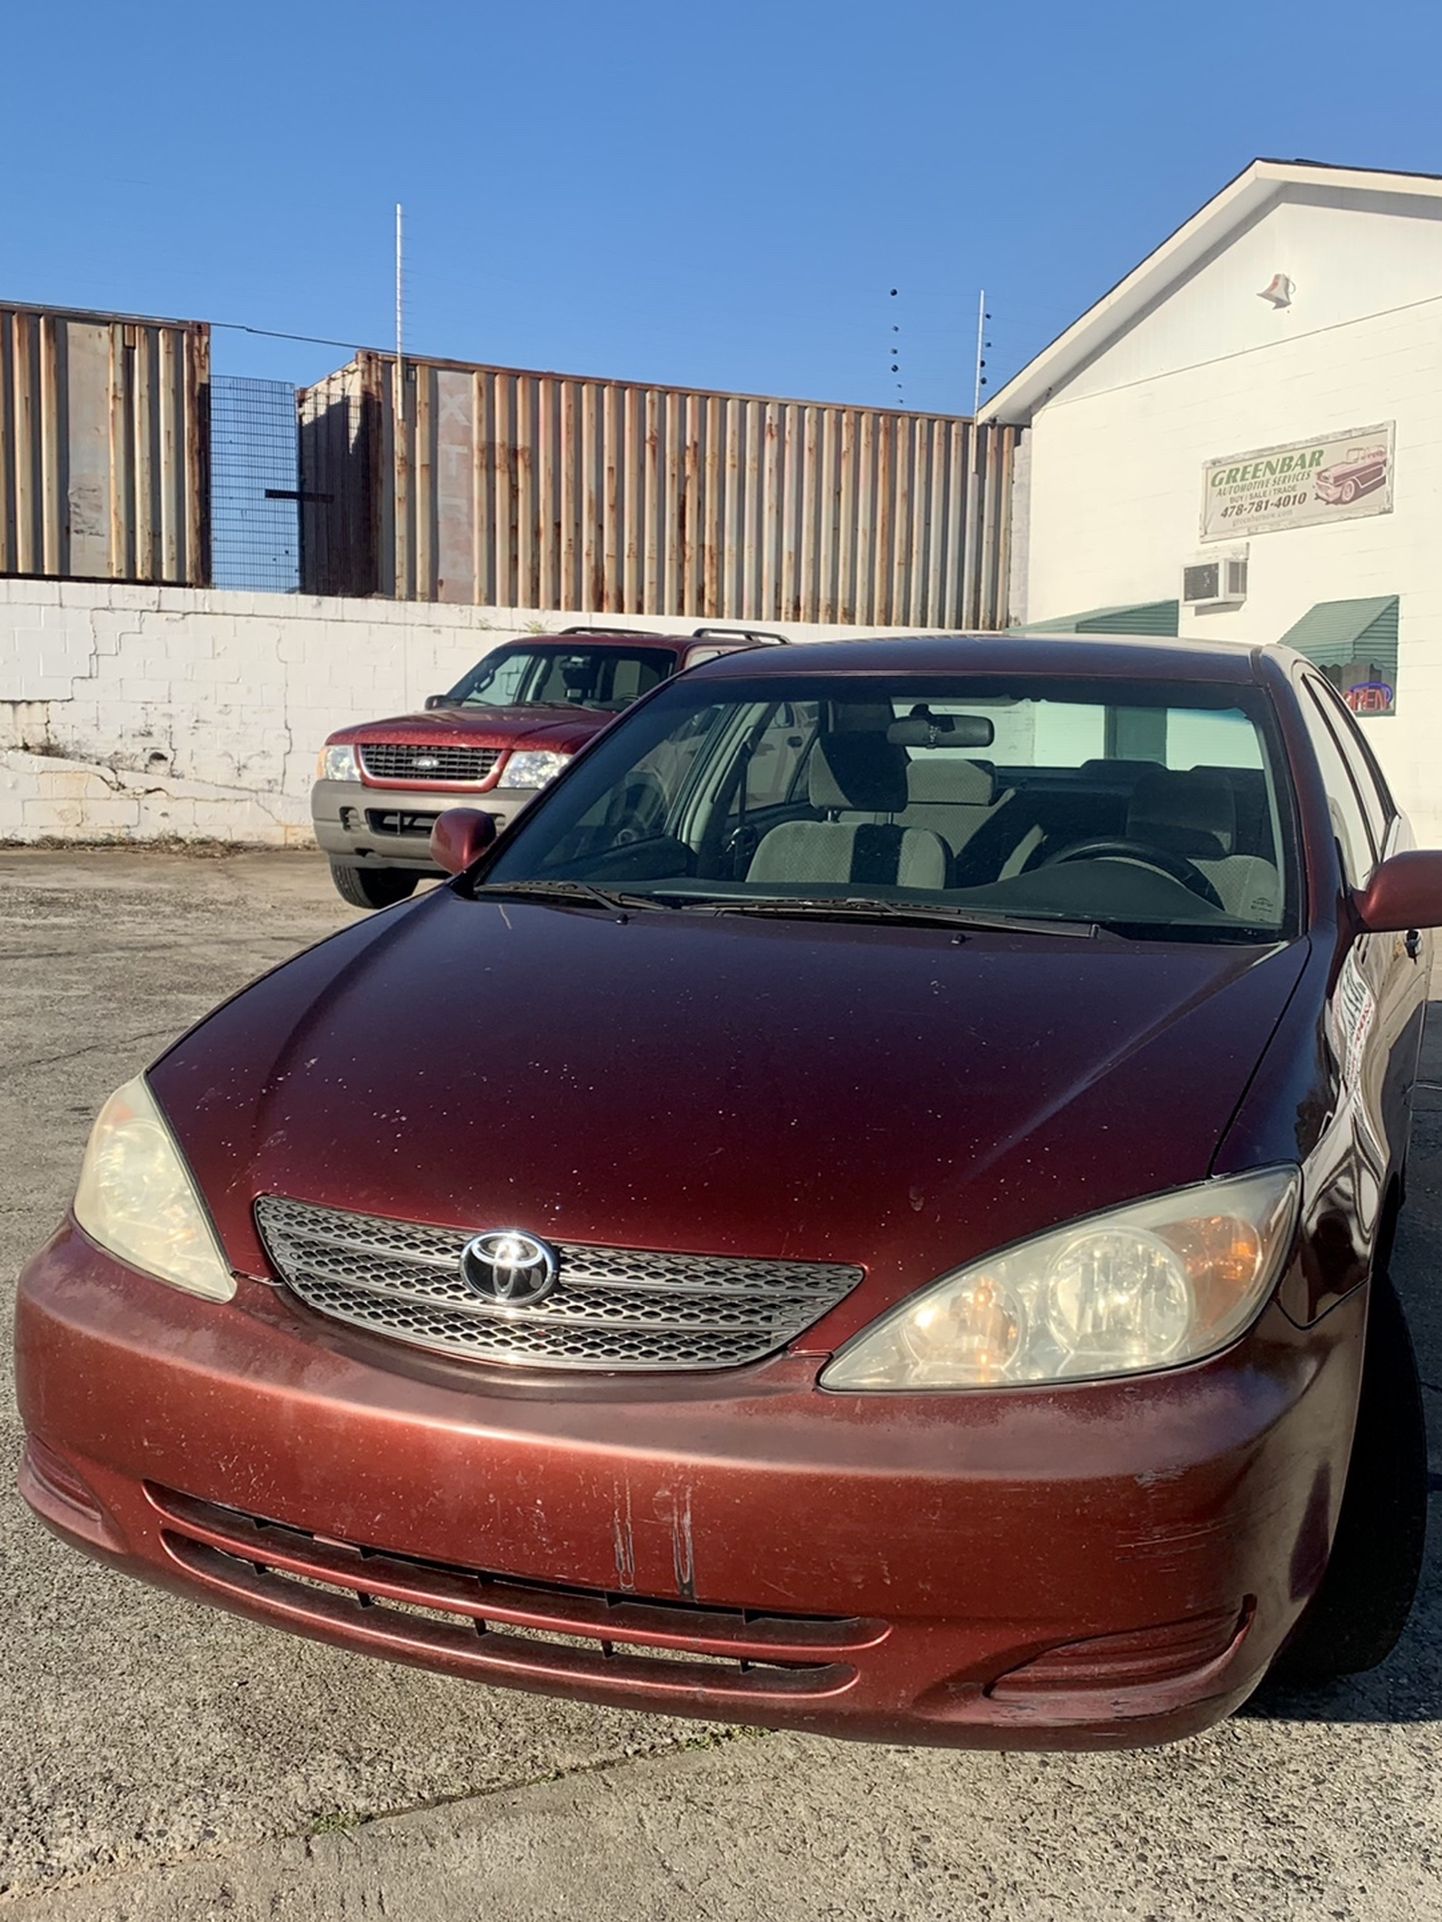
point(1404, 892)
point(460, 837)
point(436, 700)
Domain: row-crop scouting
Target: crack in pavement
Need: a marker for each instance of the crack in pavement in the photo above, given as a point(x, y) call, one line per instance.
point(89, 1047)
point(668, 1868)
point(135, 1874)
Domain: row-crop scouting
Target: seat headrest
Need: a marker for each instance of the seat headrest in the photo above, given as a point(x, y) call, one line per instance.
point(939, 779)
point(865, 772)
point(1192, 814)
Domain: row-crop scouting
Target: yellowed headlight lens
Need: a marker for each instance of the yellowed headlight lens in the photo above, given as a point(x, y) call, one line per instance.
point(135, 1198)
point(1153, 1285)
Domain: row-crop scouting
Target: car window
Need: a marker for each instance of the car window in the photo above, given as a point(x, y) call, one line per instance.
point(1349, 822)
point(1075, 733)
point(781, 787)
point(498, 680)
point(564, 674)
point(779, 753)
point(1377, 802)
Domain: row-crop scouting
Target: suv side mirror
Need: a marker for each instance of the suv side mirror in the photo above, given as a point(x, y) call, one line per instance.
point(460, 837)
point(1404, 892)
point(436, 700)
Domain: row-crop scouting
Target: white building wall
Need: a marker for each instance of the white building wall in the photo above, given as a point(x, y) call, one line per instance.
point(1117, 454)
point(143, 713)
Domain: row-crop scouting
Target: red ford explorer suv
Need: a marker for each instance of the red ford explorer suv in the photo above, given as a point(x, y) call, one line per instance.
point(894, 1244)
point(499, 735)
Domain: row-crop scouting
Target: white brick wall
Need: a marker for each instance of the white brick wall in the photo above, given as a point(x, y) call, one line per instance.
point(143, 713)
point(1116, 454)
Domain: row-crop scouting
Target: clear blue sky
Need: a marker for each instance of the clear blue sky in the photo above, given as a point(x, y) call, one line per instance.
point(717, 195)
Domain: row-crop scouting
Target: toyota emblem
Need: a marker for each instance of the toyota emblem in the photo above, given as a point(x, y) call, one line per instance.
point(512, 1269)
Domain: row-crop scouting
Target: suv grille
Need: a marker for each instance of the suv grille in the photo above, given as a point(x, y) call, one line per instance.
point(395, 761)
point(611, 1308)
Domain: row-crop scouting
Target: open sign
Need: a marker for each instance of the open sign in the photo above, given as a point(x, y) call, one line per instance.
point(1371, 697)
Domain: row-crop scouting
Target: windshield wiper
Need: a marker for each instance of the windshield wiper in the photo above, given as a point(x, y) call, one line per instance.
point(918, 913)
point(582, 894)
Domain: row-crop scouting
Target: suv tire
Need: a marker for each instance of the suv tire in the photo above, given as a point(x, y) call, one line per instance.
point(372, 887)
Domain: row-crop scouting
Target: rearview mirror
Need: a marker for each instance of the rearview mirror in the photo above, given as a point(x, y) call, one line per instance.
point(922, 728)
point(460, 837)
point(1404, 892)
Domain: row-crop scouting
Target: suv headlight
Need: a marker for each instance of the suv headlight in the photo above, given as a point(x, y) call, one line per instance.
point(136, 1199)
point(1152, 1285)
point(337, 764)
point(532, 767)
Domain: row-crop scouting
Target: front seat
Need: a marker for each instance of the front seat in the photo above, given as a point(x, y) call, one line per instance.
point(951, 797)
point(858, 782)
point(1195, 814)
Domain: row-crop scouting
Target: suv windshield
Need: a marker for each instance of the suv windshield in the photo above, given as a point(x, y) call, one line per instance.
point(561, 674)
point(1149, 808)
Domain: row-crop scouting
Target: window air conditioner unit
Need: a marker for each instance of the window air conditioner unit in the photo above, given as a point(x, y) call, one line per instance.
point(1219, 581)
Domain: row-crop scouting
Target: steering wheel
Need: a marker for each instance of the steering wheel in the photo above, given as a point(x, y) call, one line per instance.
point(1118, 848)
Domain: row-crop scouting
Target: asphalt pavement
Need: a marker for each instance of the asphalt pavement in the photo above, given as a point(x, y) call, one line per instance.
point(162, 1760)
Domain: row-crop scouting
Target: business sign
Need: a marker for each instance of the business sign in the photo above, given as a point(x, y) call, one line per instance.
point(1340, 477)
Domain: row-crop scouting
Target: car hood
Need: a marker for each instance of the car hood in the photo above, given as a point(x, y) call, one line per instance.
point(874, 1094)
point(563, 728)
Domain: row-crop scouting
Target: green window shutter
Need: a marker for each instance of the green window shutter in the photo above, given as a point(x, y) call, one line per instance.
point(1156, 618)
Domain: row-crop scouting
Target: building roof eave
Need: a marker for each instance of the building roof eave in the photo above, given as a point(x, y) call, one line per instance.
point(1226, 211)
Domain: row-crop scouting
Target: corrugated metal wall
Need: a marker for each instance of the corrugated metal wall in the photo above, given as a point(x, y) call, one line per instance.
point(533, 490)
point(104, 447)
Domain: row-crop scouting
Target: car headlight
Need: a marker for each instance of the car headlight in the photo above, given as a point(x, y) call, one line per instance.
point(1152, 1285)
point(136, 1199)
point(337, 764)
point(532, 767)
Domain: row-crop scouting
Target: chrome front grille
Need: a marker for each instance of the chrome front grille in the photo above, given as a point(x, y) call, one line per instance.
point(398, 761)
point(611, 1308)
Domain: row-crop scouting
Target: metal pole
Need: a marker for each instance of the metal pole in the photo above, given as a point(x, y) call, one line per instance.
point(400, 473)
point(400, 312)
point(980, 349)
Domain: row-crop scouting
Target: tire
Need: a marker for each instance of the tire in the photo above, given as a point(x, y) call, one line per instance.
point(1354, 1620)
point(372, 887)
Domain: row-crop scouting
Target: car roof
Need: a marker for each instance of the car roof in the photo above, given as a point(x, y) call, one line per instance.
point(1080, 656)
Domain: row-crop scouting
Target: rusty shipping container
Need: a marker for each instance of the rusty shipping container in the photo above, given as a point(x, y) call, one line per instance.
point(512, 489)
point(104, 447)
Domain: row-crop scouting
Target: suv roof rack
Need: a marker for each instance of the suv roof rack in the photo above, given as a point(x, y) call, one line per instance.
point(589, 627)
point(757, 636)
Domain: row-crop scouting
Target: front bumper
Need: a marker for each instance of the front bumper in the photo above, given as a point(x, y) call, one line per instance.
point(1096, 1566)
point(391, 827)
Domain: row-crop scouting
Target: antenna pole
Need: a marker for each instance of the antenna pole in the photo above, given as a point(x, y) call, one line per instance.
point(400, 311)
point(980, 348)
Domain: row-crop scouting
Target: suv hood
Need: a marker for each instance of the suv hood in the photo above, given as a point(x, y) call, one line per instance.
point(563, 728)
point(807, 1090)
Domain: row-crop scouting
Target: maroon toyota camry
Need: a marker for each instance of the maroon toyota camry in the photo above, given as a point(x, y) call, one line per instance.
point(889, 1238)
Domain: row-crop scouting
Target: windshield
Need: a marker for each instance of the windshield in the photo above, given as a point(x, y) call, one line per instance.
point(1146, 808)
point(560, 674)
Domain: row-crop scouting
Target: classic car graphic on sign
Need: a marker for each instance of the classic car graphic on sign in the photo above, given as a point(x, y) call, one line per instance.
point(1363, 469)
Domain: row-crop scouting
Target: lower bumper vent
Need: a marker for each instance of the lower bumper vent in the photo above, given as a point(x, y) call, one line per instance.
point(504, 1627)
